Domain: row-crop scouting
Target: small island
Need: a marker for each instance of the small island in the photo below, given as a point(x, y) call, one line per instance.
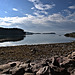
point(49, 33)
point(70, 34)
point(31, 33)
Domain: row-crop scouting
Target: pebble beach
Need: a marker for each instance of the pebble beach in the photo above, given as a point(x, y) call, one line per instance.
point(35, 52)
point(44, 59)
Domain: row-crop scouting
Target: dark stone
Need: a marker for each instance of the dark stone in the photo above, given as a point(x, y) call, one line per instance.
point(1, 70)
point(45, 64)
point(71, 63)
point(59, 72)
point(56, 63)
point(20, 72)
point(12, 65)
point(7, 72)
point(28, 61)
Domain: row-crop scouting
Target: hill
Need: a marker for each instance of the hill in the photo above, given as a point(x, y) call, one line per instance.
point(11, 31)
point(70, 34)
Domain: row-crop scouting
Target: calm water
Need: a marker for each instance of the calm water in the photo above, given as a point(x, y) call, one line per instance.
point(38, 39)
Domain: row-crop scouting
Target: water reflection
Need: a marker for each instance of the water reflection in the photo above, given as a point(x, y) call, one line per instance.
point(5, 38)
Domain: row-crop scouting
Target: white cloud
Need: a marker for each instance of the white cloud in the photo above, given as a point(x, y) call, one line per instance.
point(43, 7)
point(56, 20)
point(40, 6)
point(14, 9)
point(71, 17)
point(33, 0)
point(38, 13)
point(32, 8)
point(72, 7)
point(67, 11)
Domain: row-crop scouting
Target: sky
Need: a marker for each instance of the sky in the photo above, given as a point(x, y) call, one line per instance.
point(38, 15)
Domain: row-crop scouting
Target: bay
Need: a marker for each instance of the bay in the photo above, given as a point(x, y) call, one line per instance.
point(38, 39)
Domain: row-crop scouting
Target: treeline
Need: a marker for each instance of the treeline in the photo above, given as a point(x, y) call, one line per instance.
point(70, 34)
point(11, 31)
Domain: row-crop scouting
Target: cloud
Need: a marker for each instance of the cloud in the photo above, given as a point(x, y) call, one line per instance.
point(33, 0)
point(32, 8)
point(40, 6)
point(67, 11)
point(39, 13)
point(43, 7)
point(56, 20)
point(72, 7)
point(14, 9)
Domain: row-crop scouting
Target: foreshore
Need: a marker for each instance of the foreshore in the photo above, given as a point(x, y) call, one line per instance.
point(35, 52)
point(44, 59)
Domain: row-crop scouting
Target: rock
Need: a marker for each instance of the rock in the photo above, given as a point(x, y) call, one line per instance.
point(73, 55)
point(29, 74)
point(73, 73)
point(5, 71)
point(56, 62)
point(69, 56)
point(28, 61)
point(20, 71)
point(51, 66)
point(49, 60)
point(65, 61)
point(59, 71)
point(43, 71)
point(44, 63)
point(5, 66)
point(25, 65)
point(13, 64)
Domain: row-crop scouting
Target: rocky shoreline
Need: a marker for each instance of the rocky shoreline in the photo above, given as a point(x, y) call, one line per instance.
point(35, 52)
point(51, 66)
point(42, 56)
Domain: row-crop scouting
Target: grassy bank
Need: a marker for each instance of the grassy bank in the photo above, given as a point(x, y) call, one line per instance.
point(34, 52)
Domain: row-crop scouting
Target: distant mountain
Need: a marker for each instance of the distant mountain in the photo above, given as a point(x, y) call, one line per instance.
point(70, 34)
point(11, 31)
